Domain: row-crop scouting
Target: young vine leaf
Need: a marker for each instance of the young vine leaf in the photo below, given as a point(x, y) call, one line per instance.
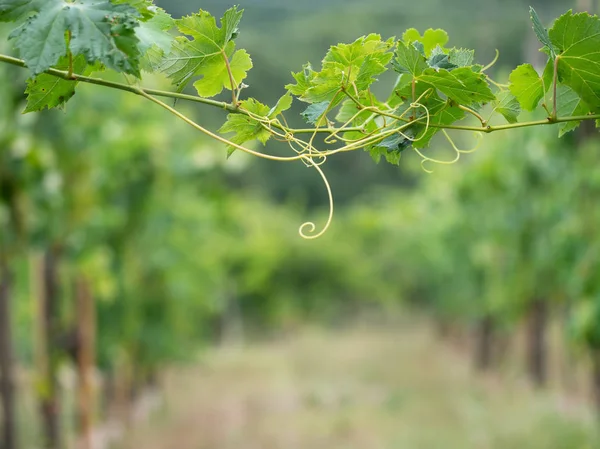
point(569, 104)
point(314, 112)
point(346, 67)
point(507, 105)
point(282, 105)
point(390, 148)
point(461, 57)
point(440, 60)
point(408, 59)
point(429, 41)
point(47, 91)
point(99, 30)
point(155, 39)
point(576, 38)
point(210, 54)
point(62, 40)
point(246, 128)
point(542, 33)
point(527, 86)
point(463, 85)
point(145, 7)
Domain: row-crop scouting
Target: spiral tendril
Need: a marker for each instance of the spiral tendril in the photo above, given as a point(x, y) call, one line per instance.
point(309, 224)
point(311, 156)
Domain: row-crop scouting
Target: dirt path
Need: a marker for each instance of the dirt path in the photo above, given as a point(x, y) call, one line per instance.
point(362, 389)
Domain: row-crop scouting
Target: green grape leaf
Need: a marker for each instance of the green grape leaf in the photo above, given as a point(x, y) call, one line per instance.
point(203, 27)
point(314, 112)
point(325, 86)
point(430, 39)
point(13, 10)
point(446, 116)
point(392, 156)
point(568, 103)
point(361, 61)
point(420, 47)
point(369, 69)
point(527, 86)
point(155, 32)
point(100, 30)
point(349, 109)
point(374, 152)
point(208, 53)
point(303, 80)
point(353, 66)
point(548, 75)
point(507, 105)
point(462, 85)
point(282, 105)
point(440, 60)
point(347, 56)
point(155, 40)
point(396, 98)
point(542, 33)
point(407, 59)
point(440, 112)
point(368, 129)
point(215, 76)
point(244, 127)
point(576, 37)
point(391, 148)
point(461, 57)
point(47, 91)
point(145, 7)
point(152, 60)
point(429, 98)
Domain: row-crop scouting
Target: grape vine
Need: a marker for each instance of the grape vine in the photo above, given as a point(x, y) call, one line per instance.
point(65, 42)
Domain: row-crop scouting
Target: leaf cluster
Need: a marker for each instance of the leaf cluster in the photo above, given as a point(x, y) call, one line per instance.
point(570, 80)
point(63, 42)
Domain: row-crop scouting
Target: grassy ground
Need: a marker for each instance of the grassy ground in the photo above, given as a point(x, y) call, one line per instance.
point(363, 389)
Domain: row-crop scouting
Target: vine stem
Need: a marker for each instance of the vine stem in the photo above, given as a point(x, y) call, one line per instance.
point(474, 113)
point(231, 80)
point(159, 93)
point(491, 64)
point(554, 83)
point(212, 135)
point(359, 105)
point(70, 72)
point(146, 92)
point(413, 87)
point(304, 157)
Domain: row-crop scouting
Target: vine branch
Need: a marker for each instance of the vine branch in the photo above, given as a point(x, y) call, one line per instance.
point(554, 87)
point(236, 109)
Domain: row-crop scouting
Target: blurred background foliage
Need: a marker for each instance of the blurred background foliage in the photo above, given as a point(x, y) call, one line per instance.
point(181, 248)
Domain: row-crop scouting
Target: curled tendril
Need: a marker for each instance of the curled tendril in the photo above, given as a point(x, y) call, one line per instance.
point(458, 152)
point(499, 85)
point(309, 225)
point(331, 138)
point(312, 156)
point(425, 159)
point(491, 64)
point(478, 136)
point(211, 134)
point(416, 105)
